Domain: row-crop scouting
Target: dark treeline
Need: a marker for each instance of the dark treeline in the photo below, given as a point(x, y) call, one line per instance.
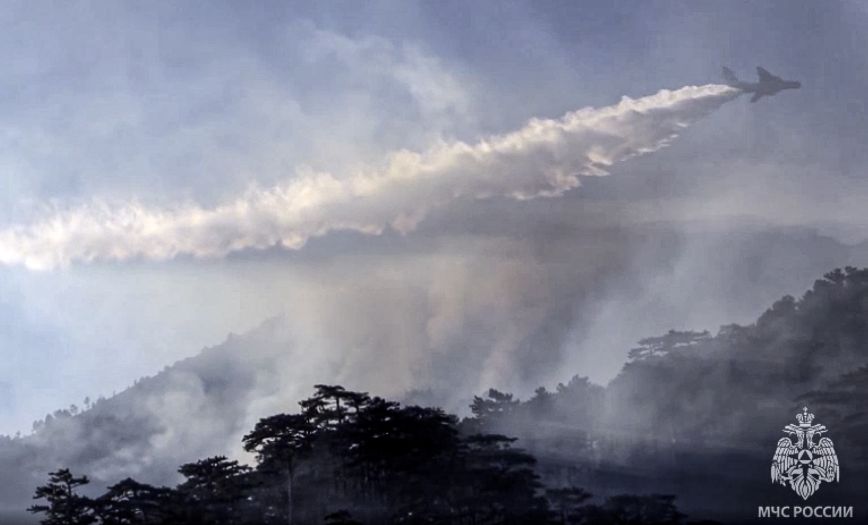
point(349, 458)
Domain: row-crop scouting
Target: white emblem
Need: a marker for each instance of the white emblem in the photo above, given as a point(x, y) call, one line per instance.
point(803, 465)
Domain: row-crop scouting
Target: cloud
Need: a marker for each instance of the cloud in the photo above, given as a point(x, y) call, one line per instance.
point(545, 158)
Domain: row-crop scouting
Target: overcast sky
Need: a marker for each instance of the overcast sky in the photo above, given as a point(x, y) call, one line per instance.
point(194, 105)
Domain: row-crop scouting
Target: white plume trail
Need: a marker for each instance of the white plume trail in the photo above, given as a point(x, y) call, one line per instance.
point(544, 158)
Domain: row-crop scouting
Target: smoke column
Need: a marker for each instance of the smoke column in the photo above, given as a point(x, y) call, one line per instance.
point(545, 158)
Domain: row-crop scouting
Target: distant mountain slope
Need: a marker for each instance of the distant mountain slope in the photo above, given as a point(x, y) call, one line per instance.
point(196, 407)
point(699, 415)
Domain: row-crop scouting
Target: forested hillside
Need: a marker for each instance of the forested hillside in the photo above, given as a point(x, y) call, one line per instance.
point(699, 415)
point(348, 458)
point(693, 415)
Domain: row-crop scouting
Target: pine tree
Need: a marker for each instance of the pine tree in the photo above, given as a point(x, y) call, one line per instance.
point(64, 505)
point(279, 442)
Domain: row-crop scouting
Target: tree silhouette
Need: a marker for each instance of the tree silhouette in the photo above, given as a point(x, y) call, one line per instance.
point(660, 346)
point(279, 442)
point(330, 405)
point(215, 491)
point(505, 483)
point(495, 405)
point(64, 505)
point(129, 502)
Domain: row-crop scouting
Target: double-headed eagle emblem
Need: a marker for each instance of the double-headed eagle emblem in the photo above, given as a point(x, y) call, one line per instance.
point(803, 465)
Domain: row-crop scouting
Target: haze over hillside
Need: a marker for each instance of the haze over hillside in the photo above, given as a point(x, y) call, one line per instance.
point(201, 406)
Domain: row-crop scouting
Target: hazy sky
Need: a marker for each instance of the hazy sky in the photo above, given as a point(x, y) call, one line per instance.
point(170, 106)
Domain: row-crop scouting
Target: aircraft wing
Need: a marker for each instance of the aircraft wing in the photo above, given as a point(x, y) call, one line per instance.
point(765, 76)
point(756, 96)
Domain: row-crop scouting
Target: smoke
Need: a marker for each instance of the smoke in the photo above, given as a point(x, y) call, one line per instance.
point(545, 158)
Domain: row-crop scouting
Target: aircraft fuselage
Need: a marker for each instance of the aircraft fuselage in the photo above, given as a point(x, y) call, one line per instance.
point(767, 85)
point(766, 88)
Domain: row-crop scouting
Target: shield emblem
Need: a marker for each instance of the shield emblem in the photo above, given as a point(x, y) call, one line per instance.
point(802, 464)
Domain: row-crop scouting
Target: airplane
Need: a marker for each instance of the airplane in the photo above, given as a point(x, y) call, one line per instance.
point(768, 84)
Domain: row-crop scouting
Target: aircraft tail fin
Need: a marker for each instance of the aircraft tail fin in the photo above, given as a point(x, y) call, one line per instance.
point(729, 76)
